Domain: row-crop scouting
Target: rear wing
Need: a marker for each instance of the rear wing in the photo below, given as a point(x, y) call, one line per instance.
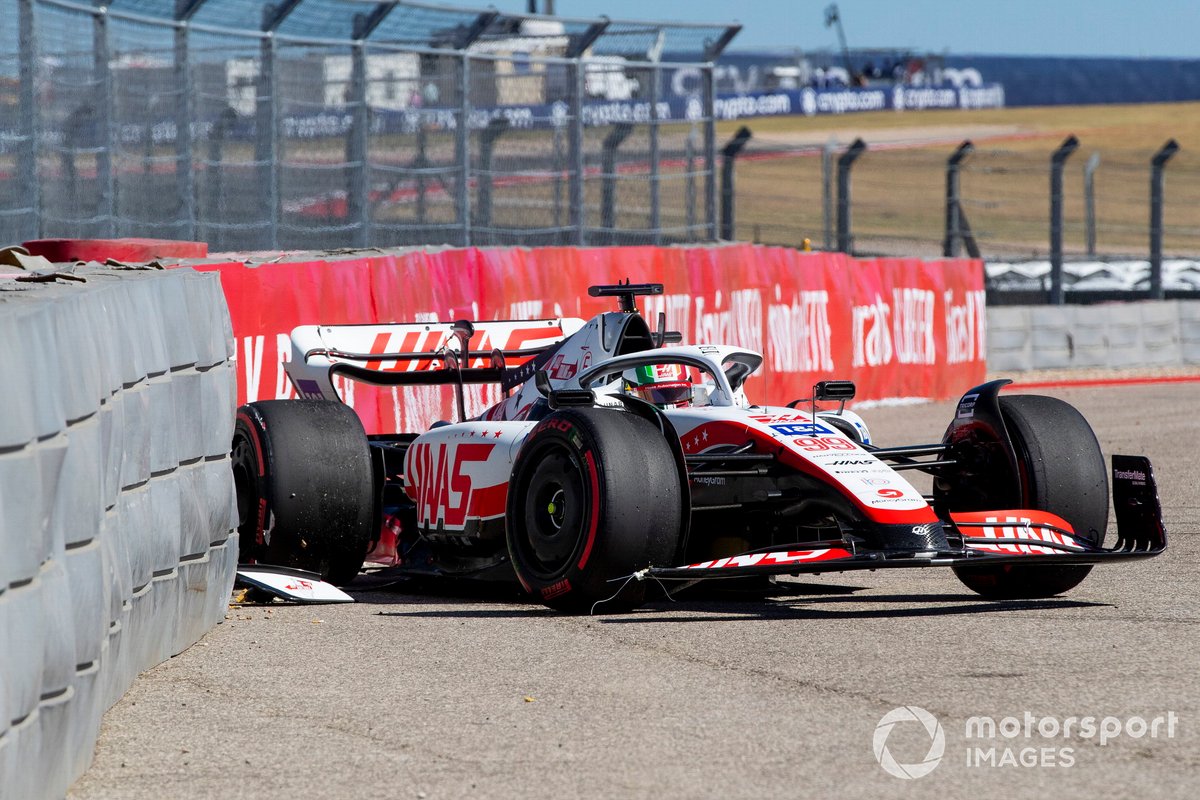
point(423, 353)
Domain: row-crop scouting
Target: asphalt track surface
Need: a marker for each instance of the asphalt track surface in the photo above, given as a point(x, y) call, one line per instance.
point(449, 695)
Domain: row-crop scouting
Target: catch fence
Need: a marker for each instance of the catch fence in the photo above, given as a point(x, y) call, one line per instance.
point(342, 123)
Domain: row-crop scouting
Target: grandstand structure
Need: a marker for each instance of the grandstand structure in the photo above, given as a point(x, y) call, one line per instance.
point(351, 123)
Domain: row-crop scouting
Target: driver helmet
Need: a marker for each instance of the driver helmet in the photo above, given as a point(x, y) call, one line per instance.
point(664, 385)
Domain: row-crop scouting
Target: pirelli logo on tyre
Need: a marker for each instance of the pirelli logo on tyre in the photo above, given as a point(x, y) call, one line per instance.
point(556, 589)
point(553, 423)
point(563, 426)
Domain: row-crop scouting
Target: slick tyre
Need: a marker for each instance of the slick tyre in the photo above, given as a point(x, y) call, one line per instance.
point(594, 497)
point(305, 487)
point(1061, 471)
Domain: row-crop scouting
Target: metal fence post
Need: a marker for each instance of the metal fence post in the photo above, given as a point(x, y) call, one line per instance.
point(214, 180)
point(1089, 201)
point(689, 183)
point(421, 164)
point(266, 134)
point(1157, 168)
point(106, 200)
point(954, 200)
point(27, 167)
point(462, 149)
point(845, 162)
point(487, 145)
point(358, 207)
point(655, 209)
point(710, 154)
point(729, 154)
point(185, 180)
point(575, 146)
point(559, 169)
point(608, 191)
point(1057, 161)
point(827, 189)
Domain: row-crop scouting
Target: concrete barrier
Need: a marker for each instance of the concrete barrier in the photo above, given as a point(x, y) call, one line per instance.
point(117, 513)
point(1112, 335)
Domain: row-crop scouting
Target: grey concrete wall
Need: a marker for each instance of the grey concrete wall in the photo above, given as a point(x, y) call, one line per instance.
point(1112, 335)
point(117, 512)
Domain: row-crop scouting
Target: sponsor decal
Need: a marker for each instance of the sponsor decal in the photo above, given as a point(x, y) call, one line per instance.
point(440, 475)
point(761, 105)
point(705, 480)
point(773, 558)
point(818, 444)
point(801, 337)
point(900, 331)
point(1130, 475)
point(559, 369)
point(802, 429)
point(890, 493)
point(740, 324)
point(966, 406)
point(923, 97)
point(1018, 528)
point(309, 390)
point(966, 326)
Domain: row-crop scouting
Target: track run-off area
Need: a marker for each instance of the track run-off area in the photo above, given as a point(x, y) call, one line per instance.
point(445, 693)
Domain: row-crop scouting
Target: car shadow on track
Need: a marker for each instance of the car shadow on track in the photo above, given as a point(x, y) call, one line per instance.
point(825, 608)
point(790, 601)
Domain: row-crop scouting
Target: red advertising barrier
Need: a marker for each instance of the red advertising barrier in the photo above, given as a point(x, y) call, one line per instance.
point(896, 327)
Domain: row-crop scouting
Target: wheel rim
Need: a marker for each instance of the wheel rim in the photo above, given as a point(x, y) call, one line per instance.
point(556, 508)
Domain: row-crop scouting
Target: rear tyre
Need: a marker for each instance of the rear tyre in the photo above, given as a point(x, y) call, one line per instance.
point(1061, 471)
point(594, 497)
point(305, 487)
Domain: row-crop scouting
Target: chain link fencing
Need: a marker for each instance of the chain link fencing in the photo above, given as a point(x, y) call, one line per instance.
point(897, 201)
point(340, 123)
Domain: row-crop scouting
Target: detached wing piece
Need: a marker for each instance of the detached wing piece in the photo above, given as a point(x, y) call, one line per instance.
point(295, 585)
point(421, 353)
point(974, 538)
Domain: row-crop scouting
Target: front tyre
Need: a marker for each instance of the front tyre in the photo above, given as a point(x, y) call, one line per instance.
point(594, 497)
point(1061, 471)
point(305, 486)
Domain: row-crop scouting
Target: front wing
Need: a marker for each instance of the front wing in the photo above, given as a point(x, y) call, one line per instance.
point(994, 537)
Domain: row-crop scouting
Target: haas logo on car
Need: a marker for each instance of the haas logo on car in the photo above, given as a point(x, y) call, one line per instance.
point(440, 481)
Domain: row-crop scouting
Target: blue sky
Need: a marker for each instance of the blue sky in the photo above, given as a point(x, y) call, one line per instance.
point(1141, 28)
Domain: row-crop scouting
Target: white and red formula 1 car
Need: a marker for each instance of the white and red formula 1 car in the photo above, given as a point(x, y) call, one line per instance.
point(618, 456)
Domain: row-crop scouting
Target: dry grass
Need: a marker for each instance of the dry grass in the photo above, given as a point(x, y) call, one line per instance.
point(898, 194)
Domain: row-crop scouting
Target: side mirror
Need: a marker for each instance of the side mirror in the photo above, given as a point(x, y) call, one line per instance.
point(834, 390)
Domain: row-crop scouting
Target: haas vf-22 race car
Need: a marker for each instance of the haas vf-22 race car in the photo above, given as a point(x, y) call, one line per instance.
point(619, 459)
